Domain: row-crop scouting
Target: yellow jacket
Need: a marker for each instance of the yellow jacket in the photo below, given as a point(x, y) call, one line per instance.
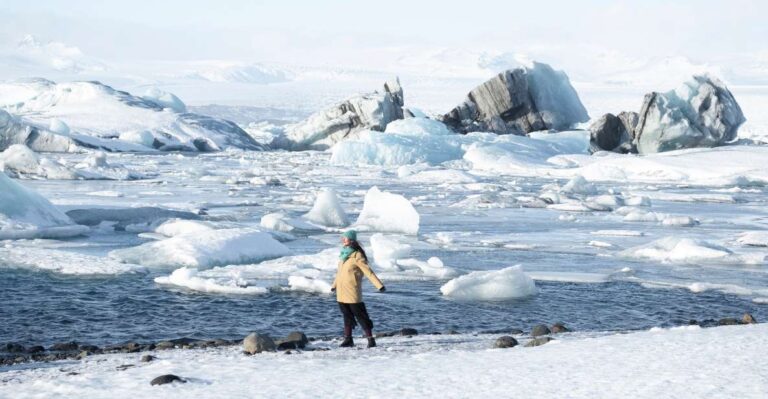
point(349, 276)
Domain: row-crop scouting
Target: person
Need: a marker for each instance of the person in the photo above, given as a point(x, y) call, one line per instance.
point(353, 265)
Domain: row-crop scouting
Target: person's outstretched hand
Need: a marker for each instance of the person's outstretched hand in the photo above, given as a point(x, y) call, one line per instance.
point(333, 289)
point(382, 289)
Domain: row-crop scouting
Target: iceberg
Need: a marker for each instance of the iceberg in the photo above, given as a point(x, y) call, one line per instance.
point(387, 212)
point(25, 214)
point(205, 248)
point(701, 113)
point(327, 210)
point(188, 278)
point(495, 285)
point(372, 111)
point(520, 101)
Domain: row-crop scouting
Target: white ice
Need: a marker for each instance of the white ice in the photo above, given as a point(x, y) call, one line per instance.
point(188, 278)
point(26, 214)
point(494, 285)
point(686, 250)
point(387, 212)
point(205, 248)
point(327, 210)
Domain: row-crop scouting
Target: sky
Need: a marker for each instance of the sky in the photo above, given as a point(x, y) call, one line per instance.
point(303, 31)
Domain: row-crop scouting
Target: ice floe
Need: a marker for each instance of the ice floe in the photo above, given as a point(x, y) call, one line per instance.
point(205, 248)
point(494, 285)
point(26, 214)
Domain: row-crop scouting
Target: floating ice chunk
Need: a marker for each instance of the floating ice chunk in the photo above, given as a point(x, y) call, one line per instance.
point(175, 227)
point(21, 161)
point(26, 214)
point(307, 284)
point(570, 277)
point(188, 278)
point(733, 289)
point(280, 222)
point(408, 269)
point(276, 221)
point(63, 262)
point(327, 210)
point(95, 166)
point(387, 212)
point(579, 185)
point(496, 285)
point(643, 216)
point(388, 249)
point(600, 244)
point(680, 221)
point(574, 206)
point(205, 248)
point(686, 250)
point(754, 238)
point(164, 99)
point(637, 201)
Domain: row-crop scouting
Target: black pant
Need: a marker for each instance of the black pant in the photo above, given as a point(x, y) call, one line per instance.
point(352, 311)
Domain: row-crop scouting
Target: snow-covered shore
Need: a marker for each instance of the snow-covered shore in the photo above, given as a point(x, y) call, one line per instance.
point(660, 363)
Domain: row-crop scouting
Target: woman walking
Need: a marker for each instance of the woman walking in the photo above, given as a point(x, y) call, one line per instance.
point(353, 265)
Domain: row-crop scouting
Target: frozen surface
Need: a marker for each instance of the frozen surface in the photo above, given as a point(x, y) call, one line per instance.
point(495, 285)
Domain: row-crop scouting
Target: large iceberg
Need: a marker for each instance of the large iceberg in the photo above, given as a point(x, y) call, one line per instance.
point(66, 116)
point(520, 101)
point(372, 111)
point(701, 113)
point(26, 214)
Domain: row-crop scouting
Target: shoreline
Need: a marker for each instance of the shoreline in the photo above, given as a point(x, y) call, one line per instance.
point(687, 361)
point(13, 353)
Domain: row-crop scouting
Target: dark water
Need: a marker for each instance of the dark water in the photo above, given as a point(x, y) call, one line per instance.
point(41, 308)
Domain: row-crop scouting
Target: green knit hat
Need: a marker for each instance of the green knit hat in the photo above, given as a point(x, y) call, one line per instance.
point(351, 234)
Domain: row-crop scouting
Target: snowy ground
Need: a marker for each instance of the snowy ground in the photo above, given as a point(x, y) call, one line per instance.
point(682, 362)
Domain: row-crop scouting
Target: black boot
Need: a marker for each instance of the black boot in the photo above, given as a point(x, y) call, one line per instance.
point(371, 342)
point(347, 343)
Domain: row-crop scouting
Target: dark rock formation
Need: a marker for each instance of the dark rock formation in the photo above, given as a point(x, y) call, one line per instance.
point(613, 133)
point(505, 342)
point(257, 343)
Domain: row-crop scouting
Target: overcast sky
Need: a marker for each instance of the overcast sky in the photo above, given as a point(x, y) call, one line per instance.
point(348, 31)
